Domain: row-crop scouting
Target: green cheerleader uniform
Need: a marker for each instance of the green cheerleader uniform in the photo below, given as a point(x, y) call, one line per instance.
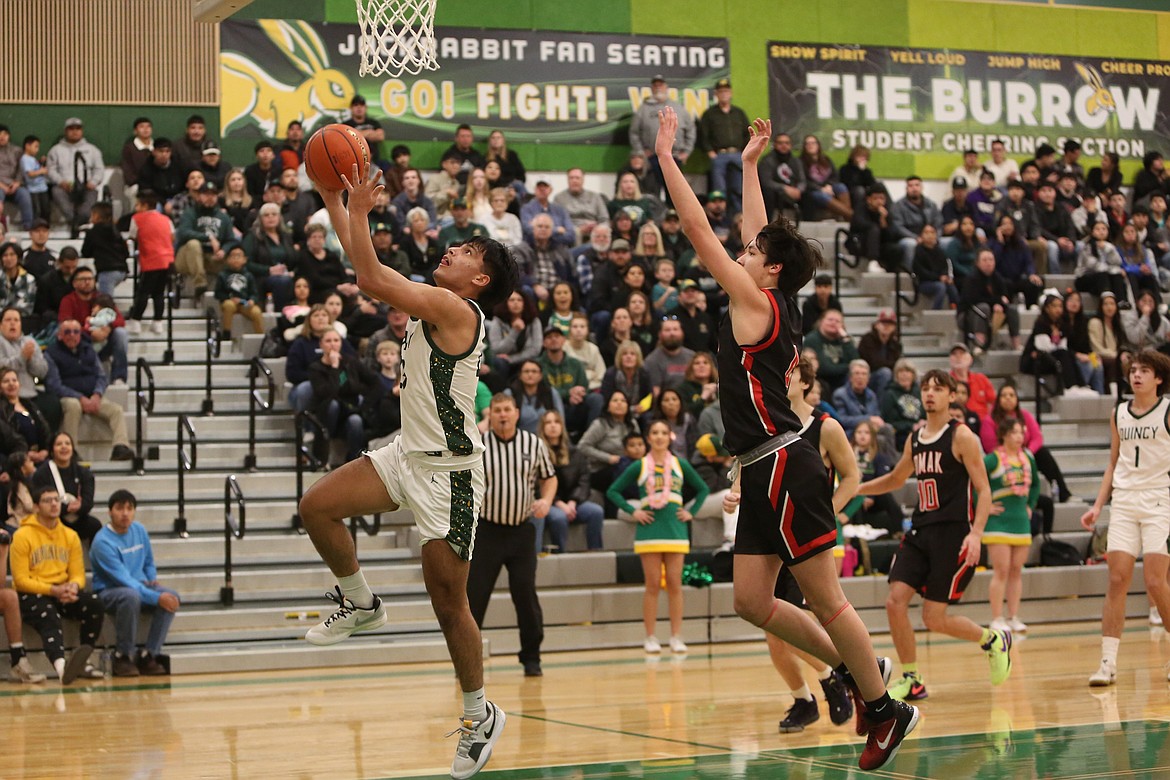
point(667, 534)
point(1015, 487)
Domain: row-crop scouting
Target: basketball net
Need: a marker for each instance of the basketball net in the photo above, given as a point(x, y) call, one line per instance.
point(398, 36)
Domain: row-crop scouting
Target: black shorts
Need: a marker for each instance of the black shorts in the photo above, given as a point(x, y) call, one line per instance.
point(928, 561)
point(786, 507)
point(788, 589)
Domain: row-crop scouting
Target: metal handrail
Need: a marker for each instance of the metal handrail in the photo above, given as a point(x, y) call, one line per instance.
point(839, 257)
point(173, 293)
point(144, 406)
point(371, 528)
point(305, 457)
point(212, 350)
point(900, 297)
point(257, 403)
point(231, 528)
point(185, 463)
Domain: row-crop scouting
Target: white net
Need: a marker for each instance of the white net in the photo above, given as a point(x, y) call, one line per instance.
point(398, 36)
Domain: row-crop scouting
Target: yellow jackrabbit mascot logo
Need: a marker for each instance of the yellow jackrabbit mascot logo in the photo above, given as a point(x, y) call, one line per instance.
point(1102, 98)
point(252, 97)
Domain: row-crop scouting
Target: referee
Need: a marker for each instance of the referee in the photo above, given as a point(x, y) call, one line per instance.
point(514, 463)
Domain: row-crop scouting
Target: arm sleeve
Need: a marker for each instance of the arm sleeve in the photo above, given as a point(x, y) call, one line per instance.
point(618, 486)
point(692, 477)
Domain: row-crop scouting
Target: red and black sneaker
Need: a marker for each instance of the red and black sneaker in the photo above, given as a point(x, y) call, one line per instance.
point(886, 667)
point(886, 737)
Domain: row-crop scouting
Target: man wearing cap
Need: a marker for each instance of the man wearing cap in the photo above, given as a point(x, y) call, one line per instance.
point(955, 207)
point(564, 233)
point(566, 376)
point(298, 207)
point(715, 206)
point(675, 243)
point(444, 187)
point(873, 230)
point(644, 129)
point(691, 311)
point(382, 236)
point(723, 133)
point(818, 303)
point(1003, 168)
point(881, 349)
point(605, 280)
point(292, 151)
point(969, 170)
point(782, 176)
point(135, 153)
point(162, 174)
point(462, 229)
point(264, 172)
point(75, 170)
point(203, 230)
point(981, 397)
point(214, 167)
point(371, 130)
point(910, 215)
point(585, 208)
point(469, 156)
point(10, 178)
point(189, 148)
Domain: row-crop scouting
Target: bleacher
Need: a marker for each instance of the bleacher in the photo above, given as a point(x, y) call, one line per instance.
point(590, 599)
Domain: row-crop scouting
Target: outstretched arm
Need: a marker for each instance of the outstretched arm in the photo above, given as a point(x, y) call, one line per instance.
point(893, 480)
point(430, 304)
point(338, 216)
point(755, 210)
point(748, 302)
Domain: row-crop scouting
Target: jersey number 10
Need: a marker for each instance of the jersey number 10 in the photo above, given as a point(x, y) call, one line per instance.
point(927, 495)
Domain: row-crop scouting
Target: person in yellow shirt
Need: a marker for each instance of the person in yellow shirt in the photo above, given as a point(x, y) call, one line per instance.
point(49, 576)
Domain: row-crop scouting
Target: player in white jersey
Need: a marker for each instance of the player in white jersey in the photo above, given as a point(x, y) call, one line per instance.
point(1138, 480)
point(435, 468)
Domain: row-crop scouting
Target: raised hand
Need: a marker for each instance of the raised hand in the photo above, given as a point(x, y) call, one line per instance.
point(667, 128)
point(364, 194)
point(761, 135)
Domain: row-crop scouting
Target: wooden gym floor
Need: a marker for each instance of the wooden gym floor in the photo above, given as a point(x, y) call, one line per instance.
point(604, 714)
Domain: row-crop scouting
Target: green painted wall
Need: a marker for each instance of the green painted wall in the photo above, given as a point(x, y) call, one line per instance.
point(748, 25)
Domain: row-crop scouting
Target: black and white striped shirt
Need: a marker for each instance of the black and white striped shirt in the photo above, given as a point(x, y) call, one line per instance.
point(512, 469)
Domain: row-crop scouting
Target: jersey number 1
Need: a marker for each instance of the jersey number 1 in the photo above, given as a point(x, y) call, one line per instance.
point(1137, 457)
point(927, 495)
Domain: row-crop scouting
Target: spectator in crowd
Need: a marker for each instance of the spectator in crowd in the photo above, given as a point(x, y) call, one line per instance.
point(542, 261)
point(700, 389)
point(299, 206)
point(621, 226)
point(265, 171)
point(1023, 213)
point(881, 348)
point(1138, 262)
point(461, 229)
point(1014, 263)
point(628, 374)
point(412, 196)
point(162, 173)
point(644, 129)
point(982, 394)
point(52, 287)
point(970, 169)
point(1151, 178)
point(74, 484)
point(104, 243)
point(478, 194)
point(901, 403)
point(270, 252)
point(23, 417)
point(571, 504)
point(675, 244)
point(321, 266)
point(35, 177)
point(1075, 325)
point(580, 347)
point(236, 202)
point(19, 469)
point(337, 381)
point(237, 293)
point(1011, 471)
point(562, 306)
point(664, 292)
point(1068, 193)
point(984, 201)
point(661, 538)
point(18, 287)
point(1099, 265)
point(563, 232)
point(1158, 234)
point(586, 209)
point(533, 395)
point(187, 198)
point(1088, 215)
point(1106, 177)
point(422, 250)
point(856, 174)
point(956, 207)
point(511, 525)
point(400, 159)
point(381, 408)
point(1007, 407)
point(648, 249)
point(1003, 168)
point(368, 127)
point(107, 336)
point(668, 406)
point(1068, 162)
point(1145, 327)
point(304, 351)
point(871, 228)
point(292, 317)
point(48, 574)
point(910, 215)
point(203, 231)
point(76, 172)
point(782, 177)
point(23, 355)
point(153, 233)
point(1056, 229)
point(823, 189)
point(213, 166)
point(645, 328)
point(514, 333)
point(189, 148)
point(11, 182)
point(76, 377)
point(468, 154)
point(667, 364)
point(512, 171)
point(877, 511)
point(932, 269)
point(711, 462)
point(631, 200)
point(834, 348)
point(126, 581)
point(1117, 215)
point(723, 133)
point(38, 259)
point(1047, 349)
point(963, 251)
point(566, 376)
point(1107, 338)
point(604, 441)
point(855, 401)
point(443, 187)
point(818, 303)
point(697, 325)
point(292, 151)
point(501, 224)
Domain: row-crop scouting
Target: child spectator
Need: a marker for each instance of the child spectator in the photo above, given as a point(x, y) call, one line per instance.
point(106, 246)
point(580, 347)
point(155, 236)
point(664, 293)
point(35, 176)
point(235, 289)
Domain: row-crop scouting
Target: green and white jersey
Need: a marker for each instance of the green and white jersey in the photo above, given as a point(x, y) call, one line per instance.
point(438, 398)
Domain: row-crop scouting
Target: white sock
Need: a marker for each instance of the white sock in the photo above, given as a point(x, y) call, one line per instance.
point(825, 673)
point(59, 668)
point(803, 693)
point(1109, 645)
point(355, 589)
point(730, 522)
point(474, 705)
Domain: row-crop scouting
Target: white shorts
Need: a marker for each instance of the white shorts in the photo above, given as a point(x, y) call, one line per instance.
point(445, 504)
point(1139, 522)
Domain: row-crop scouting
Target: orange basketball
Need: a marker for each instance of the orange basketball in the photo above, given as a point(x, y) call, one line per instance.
point(332, 152)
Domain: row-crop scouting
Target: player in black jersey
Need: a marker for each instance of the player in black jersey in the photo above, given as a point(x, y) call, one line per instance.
point(937, 558)
point(786, 517)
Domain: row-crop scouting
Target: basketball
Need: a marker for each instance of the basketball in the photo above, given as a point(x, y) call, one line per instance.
point(332, 152)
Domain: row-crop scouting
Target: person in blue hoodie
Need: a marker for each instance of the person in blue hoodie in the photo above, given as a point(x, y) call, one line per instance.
point(125, 580)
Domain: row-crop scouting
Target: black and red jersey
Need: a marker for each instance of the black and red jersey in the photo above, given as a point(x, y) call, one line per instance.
point(812, 434)
point(753, 381)
point(944, 488)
